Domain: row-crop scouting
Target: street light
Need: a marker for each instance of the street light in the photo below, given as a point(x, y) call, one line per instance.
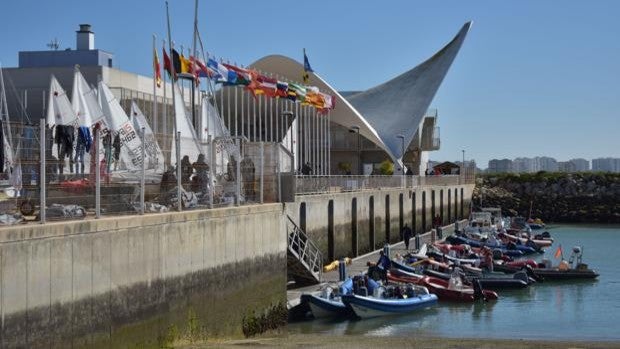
point(402, 154)
point(463, 164)
point(356, 129)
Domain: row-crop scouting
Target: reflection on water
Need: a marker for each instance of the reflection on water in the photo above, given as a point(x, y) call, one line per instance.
point(553, 310)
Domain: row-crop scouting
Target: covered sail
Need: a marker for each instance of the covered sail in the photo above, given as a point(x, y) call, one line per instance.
point(213, 128)
point(117, 121)
point(154, 156)
point(12, 165)
point(190, 145)
point(59, 109)
point(84, 101)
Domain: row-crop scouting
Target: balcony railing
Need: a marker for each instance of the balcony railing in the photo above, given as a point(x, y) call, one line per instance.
point(335, 184)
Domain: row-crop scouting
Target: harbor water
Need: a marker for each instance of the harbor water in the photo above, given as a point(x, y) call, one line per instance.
point(567, 310)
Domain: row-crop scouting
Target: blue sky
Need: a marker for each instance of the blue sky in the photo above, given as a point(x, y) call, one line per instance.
point(533, 78)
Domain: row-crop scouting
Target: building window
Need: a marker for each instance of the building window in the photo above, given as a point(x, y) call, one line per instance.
point(110, 62)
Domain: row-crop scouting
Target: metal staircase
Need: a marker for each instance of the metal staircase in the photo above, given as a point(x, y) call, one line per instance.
point(304, 259)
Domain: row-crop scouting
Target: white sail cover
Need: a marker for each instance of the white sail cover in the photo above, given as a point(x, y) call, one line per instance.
point(59, 110)
point(117, 121)
point(213, 127)
point(190, 144)
point(84, 101)
point(11, 162)
point(154, 156)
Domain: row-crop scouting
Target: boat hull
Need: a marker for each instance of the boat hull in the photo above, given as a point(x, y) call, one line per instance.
point(322, 307)
point(368, 307)
point(571, 274)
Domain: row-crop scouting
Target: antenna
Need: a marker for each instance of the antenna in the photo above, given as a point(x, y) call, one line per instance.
point(53, 45)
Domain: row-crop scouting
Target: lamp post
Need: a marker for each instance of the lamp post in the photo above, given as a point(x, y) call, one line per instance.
point(356, 129)
point(402, 151)
point(402, 159)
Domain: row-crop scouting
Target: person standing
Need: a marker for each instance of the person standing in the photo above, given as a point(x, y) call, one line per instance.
point(407, 233)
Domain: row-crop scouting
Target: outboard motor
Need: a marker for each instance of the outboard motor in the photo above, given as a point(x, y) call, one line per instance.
point(478, 294)
point(530, 273)
point(522, 275)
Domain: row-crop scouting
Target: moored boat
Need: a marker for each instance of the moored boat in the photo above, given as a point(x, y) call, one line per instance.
point(391, 301)
point(455, 290)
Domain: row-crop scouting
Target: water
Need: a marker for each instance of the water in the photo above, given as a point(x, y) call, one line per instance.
point(568, 310)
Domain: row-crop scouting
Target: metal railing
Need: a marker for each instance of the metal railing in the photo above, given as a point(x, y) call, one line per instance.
point(336, 184)
point(304, 250)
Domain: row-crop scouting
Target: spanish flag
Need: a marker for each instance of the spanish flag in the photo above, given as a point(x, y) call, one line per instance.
point(157, 71)
point(558, 252)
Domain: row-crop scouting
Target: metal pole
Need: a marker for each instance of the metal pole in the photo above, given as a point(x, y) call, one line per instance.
point(42, 141)
point(278, 169)
point(97, 174)
point(143, 155)
point(213, 170)
point(236, 113)
point(178, 156)
point(329, 143)
point(238, 174)
point(155, 87)
point(262, 170)
point(164, 106)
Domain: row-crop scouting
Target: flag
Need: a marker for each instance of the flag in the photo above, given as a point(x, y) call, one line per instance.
point(176, 61)
point(242, 76)
point(157, 71)
point(268, 85)
point(281, 89)
point(307, 69)
point(167, 64)
point(200, 69)
point(558, 252)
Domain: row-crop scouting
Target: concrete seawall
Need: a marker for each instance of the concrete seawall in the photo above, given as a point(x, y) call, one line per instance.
point(354, 223)
point(131, 281)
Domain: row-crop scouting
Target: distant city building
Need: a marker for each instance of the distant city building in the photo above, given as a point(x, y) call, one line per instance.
point(566, 166)
point(606, 164)
point(581, 165)
point(500, 166)
point(523, 165)
point(545, 163)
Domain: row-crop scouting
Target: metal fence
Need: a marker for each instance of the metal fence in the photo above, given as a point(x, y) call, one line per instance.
point(335, 184)
point(47, 181)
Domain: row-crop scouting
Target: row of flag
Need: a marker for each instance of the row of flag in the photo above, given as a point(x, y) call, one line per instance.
point(253, 81)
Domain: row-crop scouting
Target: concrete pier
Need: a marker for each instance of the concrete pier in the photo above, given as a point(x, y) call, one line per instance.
point(136, 280)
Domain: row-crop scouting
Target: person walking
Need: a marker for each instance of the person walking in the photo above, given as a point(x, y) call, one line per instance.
point(407, 233)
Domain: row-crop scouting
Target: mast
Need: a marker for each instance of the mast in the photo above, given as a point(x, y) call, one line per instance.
point(176, 138)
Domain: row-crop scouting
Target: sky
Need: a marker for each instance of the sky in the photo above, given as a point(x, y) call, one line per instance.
point(533, 78)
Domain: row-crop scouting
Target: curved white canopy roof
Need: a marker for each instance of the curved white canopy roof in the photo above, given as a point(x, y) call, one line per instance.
point(393, 108)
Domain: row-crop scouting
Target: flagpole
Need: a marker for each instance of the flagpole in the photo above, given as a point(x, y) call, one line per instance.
point(177, 135)
point(155, 85)
point(165, 121)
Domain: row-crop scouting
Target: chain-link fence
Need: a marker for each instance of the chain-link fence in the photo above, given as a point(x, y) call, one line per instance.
point(217, 173)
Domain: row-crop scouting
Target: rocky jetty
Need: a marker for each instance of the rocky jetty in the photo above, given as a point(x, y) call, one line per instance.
point(555, 197)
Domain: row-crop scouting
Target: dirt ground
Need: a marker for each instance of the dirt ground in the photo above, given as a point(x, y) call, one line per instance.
point(332, 341)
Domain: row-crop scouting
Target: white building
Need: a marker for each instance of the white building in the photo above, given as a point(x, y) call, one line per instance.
point(606, 164)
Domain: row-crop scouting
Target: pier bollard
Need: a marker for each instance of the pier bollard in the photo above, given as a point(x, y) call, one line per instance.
point(342, 269)
point(417, 242)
